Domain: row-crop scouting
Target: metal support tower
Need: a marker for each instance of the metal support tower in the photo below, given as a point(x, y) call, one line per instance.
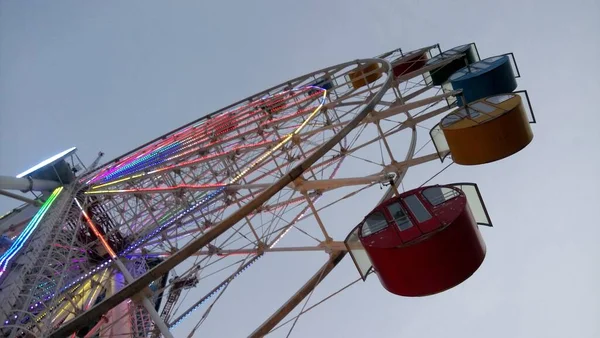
point(26, 287)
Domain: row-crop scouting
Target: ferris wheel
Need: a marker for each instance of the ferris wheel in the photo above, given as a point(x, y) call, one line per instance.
point(154, 240)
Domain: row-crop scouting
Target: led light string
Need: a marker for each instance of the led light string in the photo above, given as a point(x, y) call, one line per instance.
point(214, 124)
point(236, 274)
point(96, 232)
point(191, 146)
point(220, 124)
point(145, 161)
point(153, 147)
point(215, 291)
point(175, 187)
point(182, 164)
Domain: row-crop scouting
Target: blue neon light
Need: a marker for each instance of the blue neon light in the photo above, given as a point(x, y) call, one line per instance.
point(24, 235)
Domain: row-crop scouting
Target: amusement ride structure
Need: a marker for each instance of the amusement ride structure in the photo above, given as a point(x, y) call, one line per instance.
point(154, 238)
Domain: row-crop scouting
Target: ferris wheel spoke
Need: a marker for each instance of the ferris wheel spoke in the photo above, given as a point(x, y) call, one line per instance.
point(215, 219)
point(395, 129)
point(230, 252)
point(281, 223)
point(332, 184)
point(250, 226)
point(411, 84)
point(262, 226)
point(176, 286)
point(305, 310)
point(300, 295)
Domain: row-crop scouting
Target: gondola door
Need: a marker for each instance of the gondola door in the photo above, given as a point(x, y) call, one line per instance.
point(418, 210)
point(400, 220)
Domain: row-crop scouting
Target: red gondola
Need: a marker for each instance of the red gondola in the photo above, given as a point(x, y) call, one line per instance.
point(410, 62)
point(424, 241)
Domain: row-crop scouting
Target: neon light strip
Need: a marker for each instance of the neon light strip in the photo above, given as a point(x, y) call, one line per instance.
point(180, 215)
point(141, 162)
point(45, 311)
point(195, 141)
point(87, 285)
point(105, 244)
point(125, 166)
point(193, 135)
point(46, 162)
point(186, 163)
point(119, 181)
point(195, 149)
point(142, 152)
point(26, 233)
point(184, 134)
point(239, 176)
point(204, 137)
point(146, 159)
point(83, 277)
point(149, 151)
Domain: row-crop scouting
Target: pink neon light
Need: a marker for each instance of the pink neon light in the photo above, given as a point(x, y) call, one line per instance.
point(204, 137)
point(304, 99)
point(212, 156)
point(211, 144)
point(192, 136)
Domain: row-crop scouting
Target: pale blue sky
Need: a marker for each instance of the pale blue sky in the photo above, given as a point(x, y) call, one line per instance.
point(111, 75)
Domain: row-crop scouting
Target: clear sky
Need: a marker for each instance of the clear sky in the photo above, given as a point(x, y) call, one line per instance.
point(110, 75)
